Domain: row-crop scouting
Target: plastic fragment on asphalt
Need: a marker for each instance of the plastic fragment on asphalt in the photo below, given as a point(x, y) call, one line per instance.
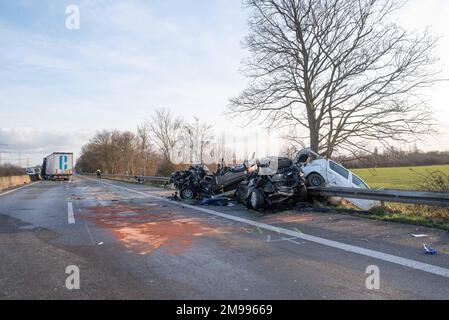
point(214, 202)
point(429, 249)
point(419, 235)
point(100, 243)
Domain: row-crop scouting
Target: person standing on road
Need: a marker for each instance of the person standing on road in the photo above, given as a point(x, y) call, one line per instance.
point(98, 173)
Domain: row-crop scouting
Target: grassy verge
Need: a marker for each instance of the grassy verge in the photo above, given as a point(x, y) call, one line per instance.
point(391, 212)
point(427, 178)
point(423, 216)
point(398, 178)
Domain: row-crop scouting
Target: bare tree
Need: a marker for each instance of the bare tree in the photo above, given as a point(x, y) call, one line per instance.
point(144, 143)
point(338, 69)
point(206, 137)
point(196, 138)
point(188, 141)
point(165, 130)
point(126, 146)
point(102, 144)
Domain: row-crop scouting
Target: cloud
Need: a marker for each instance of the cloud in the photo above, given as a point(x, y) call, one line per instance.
point(35, 144)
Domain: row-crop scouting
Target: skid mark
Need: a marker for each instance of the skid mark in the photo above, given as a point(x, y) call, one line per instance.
point(145, 228)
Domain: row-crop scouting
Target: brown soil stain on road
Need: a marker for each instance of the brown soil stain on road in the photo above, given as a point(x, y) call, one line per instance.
point(147, 227)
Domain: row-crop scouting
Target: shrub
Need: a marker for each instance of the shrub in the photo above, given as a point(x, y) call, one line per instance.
point(165, 168)
point(7, 170)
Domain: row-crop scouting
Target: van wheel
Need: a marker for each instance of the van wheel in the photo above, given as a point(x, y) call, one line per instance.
point(256, 199)
point(187, 193)
point(315, 180)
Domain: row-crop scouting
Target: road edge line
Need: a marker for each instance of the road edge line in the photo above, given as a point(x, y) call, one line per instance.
point(17, 189)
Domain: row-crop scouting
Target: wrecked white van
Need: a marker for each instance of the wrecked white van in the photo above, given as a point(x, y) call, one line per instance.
point(321, 172)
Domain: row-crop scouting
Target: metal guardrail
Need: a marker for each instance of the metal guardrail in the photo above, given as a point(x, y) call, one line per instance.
point(386, 195)
point(135, 178)
point(140, 178)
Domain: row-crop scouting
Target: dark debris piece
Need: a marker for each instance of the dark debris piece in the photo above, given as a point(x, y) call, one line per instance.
point(222, 202)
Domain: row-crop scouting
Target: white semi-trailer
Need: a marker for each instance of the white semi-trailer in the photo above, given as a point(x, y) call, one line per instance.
point(58, 166)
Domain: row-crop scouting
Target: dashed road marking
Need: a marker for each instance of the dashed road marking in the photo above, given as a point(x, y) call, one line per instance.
point(299, 235)
point(70, 215)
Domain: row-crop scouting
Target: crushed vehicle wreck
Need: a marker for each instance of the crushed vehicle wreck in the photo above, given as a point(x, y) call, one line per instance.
point(270, 181)
point(274, 180)
point(198, 182)
point(320, 172)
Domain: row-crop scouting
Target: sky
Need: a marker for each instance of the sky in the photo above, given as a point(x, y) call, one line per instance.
point(60, 86)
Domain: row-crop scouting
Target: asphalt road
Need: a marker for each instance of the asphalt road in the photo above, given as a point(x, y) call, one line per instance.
point(129, 242)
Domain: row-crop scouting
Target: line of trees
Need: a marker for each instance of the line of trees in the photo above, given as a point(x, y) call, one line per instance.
point(165, 143)
point(395, 157)
point(159, 145)
point(10, 170)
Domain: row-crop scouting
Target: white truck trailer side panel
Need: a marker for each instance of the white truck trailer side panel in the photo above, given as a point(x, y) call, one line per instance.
point(59, 164)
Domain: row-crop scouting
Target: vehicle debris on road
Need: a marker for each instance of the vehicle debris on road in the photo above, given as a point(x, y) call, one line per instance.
point(429, 250)
point(223, 202)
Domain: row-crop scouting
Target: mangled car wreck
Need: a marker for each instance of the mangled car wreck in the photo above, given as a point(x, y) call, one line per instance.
point(270, 181)
point(198, 182)
point(275, 180)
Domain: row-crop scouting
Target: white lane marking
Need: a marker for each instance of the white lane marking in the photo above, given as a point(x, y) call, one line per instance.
point(330, 243)
point(85, 225)
point(89, 233)
point(14, 190)
point(70, 215)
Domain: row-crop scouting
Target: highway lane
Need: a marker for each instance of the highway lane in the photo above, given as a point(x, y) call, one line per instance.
point(129, 244)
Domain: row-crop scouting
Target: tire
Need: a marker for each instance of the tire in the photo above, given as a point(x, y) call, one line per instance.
point(240, 194)
point(315, 180)
point(256, 199)
point(187, 193)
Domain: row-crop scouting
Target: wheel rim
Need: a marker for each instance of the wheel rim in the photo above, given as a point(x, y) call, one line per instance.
point(188, 194)
point(316, 181)
point(253, 199)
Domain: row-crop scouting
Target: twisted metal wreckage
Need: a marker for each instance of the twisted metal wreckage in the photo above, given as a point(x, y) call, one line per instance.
point(269, 181)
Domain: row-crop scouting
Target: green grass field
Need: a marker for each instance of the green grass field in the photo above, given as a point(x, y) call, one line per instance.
point(398, 178)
